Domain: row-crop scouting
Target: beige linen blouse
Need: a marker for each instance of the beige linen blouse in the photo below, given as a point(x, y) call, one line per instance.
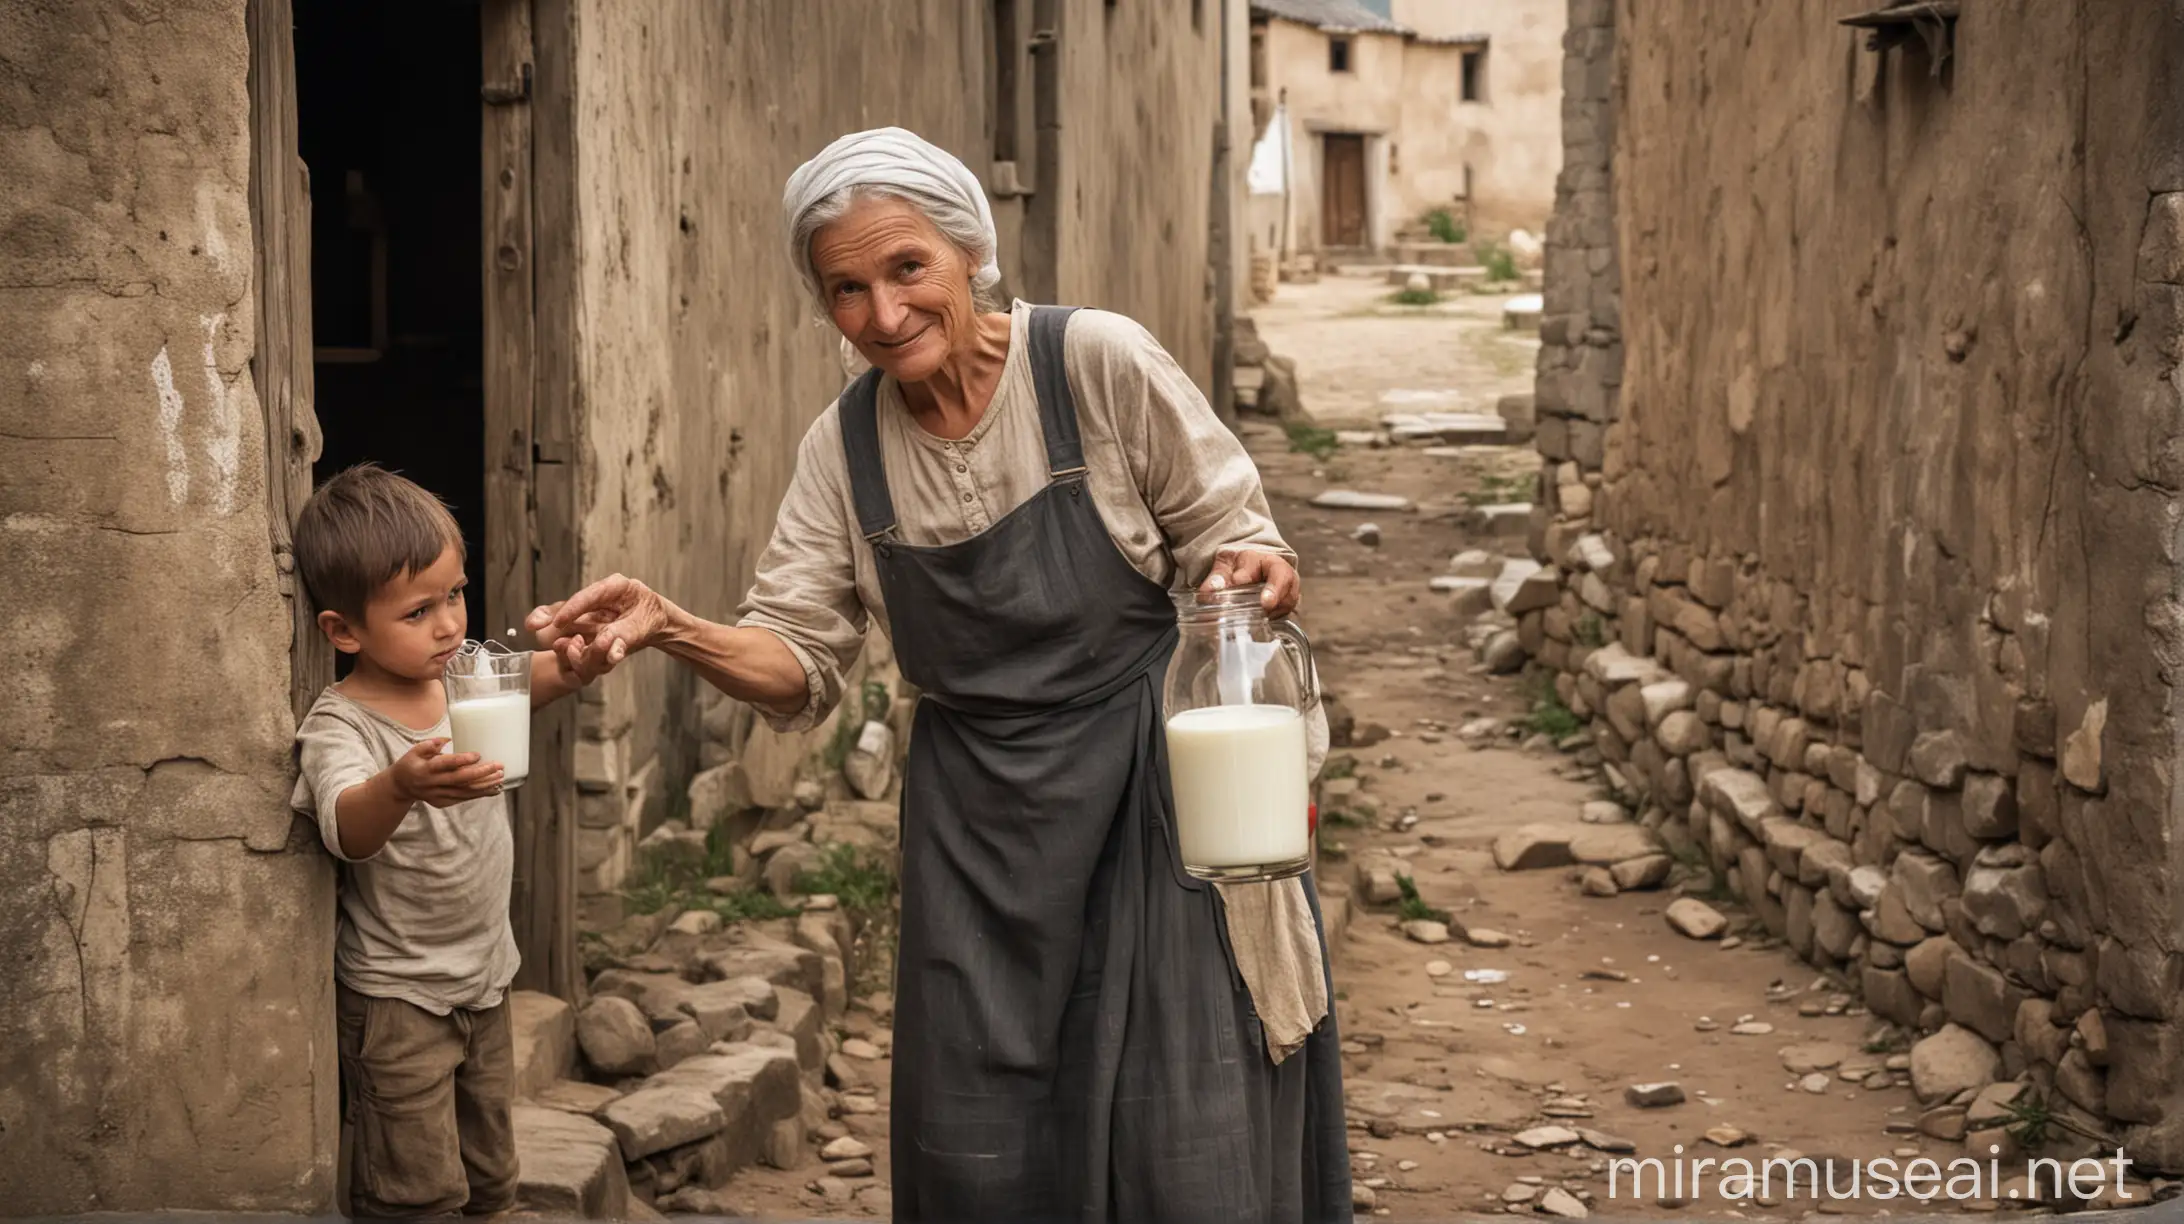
point(1175, 489)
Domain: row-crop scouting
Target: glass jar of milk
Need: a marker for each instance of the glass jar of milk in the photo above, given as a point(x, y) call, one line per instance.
point(489, 707)
point(1238, 689)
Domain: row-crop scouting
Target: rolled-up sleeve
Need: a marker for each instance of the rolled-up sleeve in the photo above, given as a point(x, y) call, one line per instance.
point(332, 757)
point(1193, 472)
point(805, 592)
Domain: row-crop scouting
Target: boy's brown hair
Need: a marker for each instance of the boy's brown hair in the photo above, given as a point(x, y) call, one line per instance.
point(364, 528)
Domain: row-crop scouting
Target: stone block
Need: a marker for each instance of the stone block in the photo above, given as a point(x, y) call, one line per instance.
point(1890, 921)
point(2081, 1083)
point(2141, 982)
point(1952, 1061)
point(1535, 846)
point(1741, 795)
point(576, 1096)
point(679, 1041)
point(2039, 818)
point(568, 1166)
point(1835, 930)
point(2004, 901)
point(1797, 904)
point(1928, 964)
point(2143, 1057)
point(542, 1030)
point(1978, 997)
point(657, 1117)
point(1822, 862)
point(1926, 882)
point(615, 1036)
point(1990, 806)
point(753, 1085)
point(1888, 994)
point(801, 1018)
point(775, 961)
point(1786, 841)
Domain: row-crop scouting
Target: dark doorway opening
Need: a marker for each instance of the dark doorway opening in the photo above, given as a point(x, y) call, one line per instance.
point(389, 126)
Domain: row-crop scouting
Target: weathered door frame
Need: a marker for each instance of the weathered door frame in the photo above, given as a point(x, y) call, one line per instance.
point(529, 194)
point(529, 296)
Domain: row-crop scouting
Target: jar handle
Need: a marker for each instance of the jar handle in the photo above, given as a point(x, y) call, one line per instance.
point(1292, 635)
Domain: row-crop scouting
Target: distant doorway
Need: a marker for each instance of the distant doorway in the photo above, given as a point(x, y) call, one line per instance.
point(1342, 189)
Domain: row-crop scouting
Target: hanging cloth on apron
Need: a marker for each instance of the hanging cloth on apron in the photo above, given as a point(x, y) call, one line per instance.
point(1073, 1041)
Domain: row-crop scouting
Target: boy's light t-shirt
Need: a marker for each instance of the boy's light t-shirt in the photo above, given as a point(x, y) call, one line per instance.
point(425, 920)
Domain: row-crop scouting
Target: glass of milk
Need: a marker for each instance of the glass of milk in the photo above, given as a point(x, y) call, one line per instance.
point(1238, 688)
point(489, 707)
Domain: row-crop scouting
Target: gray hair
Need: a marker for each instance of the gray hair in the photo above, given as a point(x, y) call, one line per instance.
point(962, 227)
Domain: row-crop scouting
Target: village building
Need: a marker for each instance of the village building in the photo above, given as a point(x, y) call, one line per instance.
point(528, 251)
point(1375, 115)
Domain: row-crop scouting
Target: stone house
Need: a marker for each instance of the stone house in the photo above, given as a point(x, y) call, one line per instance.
point(1395, 111)
point(526, 250)
point(1859, 416)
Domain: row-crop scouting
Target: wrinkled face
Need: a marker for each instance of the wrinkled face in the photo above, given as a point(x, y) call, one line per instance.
point(895, 286)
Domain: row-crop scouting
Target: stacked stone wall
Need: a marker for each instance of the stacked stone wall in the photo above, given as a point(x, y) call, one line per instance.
point(1863, 577)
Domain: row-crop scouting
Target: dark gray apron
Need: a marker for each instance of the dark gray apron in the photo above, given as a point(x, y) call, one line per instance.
point(1073, 1041)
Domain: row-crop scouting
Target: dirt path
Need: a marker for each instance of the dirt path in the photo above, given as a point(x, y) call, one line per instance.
point(1460, 1049)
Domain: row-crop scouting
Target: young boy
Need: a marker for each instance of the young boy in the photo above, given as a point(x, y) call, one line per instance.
point(424, 950)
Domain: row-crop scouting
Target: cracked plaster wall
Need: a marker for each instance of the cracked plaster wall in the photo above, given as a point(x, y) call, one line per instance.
point(166, 1011)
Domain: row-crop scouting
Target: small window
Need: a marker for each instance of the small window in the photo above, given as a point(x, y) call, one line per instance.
point(1475, 76)
point(1338, 55)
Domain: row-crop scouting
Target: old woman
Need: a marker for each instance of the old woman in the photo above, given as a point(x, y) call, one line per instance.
point(1082, 1031)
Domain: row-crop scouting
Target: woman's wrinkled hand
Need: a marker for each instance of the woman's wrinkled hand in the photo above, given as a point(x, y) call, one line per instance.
point(595, 629)
point(1246, 566)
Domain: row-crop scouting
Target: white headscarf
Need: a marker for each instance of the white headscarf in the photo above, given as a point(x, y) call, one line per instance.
point(903, 163)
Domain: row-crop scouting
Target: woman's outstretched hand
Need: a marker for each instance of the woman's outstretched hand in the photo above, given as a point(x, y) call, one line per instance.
point(601, 625)
point(1244, 567)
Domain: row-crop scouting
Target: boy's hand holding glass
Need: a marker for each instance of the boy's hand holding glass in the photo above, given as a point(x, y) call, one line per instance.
point(427, 774)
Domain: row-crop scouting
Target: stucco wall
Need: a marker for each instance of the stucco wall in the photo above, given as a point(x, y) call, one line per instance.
point(166, 1027)
point(1510, 138)
point(1141, 90)
point(1886, 474)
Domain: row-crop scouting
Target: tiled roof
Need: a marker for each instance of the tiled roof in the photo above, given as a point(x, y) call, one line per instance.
point(1341, 15)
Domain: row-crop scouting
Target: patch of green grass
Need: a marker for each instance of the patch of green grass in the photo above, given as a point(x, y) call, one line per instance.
point(663, 879)
point(1311, 440)
point(1695, 863)
point(864, 884)
point(1444, 225)
point(1498, 489)
point(861, 881)
point(1500, 264)
point(1413, 906)
point(1344, 766)
point(1341, 819)
point(1591, 630)
point(1549, 717)
point(1415, 297)
point(2031, 1122)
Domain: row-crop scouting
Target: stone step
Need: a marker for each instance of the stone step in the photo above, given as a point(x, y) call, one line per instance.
point(1434, 254)
point(1439, 279)
point(571, 1166)
point(543, 1030)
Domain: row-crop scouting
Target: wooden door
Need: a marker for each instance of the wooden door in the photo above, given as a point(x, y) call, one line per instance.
point(530, 553)
point(280, 216)
point(1342, 189)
